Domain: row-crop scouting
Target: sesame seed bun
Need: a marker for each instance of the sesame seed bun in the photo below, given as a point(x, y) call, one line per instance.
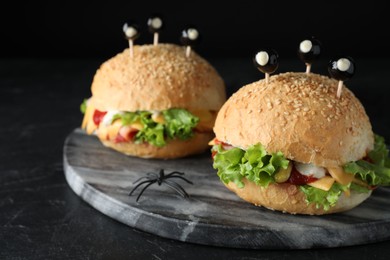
point(300, 115)
point(157, 78)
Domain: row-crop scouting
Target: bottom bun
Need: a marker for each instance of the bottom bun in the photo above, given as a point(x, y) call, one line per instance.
point(173, 149)
point(289, 199)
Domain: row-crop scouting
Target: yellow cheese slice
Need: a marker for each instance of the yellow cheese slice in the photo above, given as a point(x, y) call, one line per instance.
point(206, 119)
point(102, 132)
point(87, 116)
point(137, 125)
point(158, 118)
point(113, 129)
point(324, 183)
point(88, 123)
point(91, 127)
point(340, 175)
point(212, 142)
point(204, 115)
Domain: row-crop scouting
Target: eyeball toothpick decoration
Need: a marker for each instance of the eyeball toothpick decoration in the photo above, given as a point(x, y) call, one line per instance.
point(266, 60)
point(309, 50)
point(189, 37)
point(131, 31)
point(342, 69)
point(155, 24)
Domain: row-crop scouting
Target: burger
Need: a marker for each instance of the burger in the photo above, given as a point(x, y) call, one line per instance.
point(157, 104)
point(293, 146)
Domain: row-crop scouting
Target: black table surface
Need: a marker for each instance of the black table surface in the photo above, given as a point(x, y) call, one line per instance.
point(40, 216)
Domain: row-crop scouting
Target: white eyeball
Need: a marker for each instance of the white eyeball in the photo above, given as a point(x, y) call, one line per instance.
point(262, 58)
point(343, 64)
point(305, 46)
point(130, 32)
point(156, 23)
point(193, 34)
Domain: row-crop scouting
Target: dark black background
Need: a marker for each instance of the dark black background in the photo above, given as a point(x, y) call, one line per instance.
point(70, 29)
point(49, 52)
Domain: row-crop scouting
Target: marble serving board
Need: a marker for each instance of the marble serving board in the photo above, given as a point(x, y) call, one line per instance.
point(212, 215)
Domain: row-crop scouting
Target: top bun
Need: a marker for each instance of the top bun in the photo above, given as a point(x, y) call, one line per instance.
point(299, 115)
point(157, 78)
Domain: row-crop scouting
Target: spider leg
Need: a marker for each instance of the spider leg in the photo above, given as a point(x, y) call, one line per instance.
point(140, 179)
point(142, 191)
point(172, 173)
point(148, 176)
point(139, 184)
point(176, 187)
point(184, 179)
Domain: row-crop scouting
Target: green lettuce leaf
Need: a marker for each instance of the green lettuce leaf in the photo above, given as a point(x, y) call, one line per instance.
point(358, 188)
point(377, 172)
point(228, 165)
point(321, 198)
point(179, 123)
point(327, 199)
point(83, 106)
point(254, 164)
point(380, 154)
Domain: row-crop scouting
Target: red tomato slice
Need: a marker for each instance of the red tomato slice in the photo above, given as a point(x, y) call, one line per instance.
point(98, 116)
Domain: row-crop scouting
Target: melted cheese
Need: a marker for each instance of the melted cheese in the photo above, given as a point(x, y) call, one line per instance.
point(213, 142)
point(113, 129)
point(324, 183)
point(88, 123)
point(102, 132)
point(206, 119)
point(340, 175)
point(158, 117)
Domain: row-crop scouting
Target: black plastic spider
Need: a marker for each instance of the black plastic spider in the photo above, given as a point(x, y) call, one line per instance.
point(161, 178)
